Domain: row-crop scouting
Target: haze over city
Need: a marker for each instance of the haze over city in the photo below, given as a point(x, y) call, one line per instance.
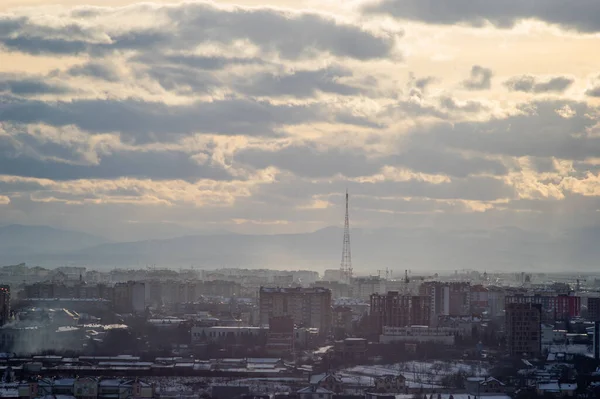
point(277, 199)
point(471, 130)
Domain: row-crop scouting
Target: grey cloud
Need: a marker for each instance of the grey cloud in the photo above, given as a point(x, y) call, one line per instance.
point(476, 188)
point(154, 121)
point(301, 83)
point(156, 165)
point(539, 130)
point(423, 83)
point(297, 35)
point(434, 161)
point(450, 104)
point(530, 84)
point(183, 81)
point(191, 24)
point(28, 86)
point(472, 188)
point(480, 79)
point(197, 61)
point(581, 15)
point(593, 92)
point(310, 160)
point(417, 108)
point(95, 70)
point(348, 118)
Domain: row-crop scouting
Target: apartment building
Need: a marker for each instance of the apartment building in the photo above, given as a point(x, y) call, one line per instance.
point(395, 310)
point(308, 307)
point(447, 298)
point(130, 297)
point(523, 329)
point(4, 304)
point(553, 307)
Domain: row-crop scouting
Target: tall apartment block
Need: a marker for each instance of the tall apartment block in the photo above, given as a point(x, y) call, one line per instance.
point(554, 307)
point(523, 329)
point(447, 299)
point(130, 297)
point(395, 310)
point(4, 304)
point(593, 307)
point(308, 307)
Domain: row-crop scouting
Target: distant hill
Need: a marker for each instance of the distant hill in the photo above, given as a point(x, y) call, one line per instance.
point(415, 249)
point(19, 240)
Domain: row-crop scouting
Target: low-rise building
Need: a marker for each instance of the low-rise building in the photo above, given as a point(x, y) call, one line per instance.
point(556, 389)
point(225, 333)
point(390, 384)
point(87, 388)
point(351, 349)
point(314, 392)
point(481, 385)
point(419, 334)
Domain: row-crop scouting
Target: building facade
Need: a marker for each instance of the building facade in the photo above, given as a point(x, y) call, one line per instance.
point(4, 304)
point(553, 307)
point(593, 307)
point(130, 297)
point(447, 299)
point(523, 329)
point(308, 307)
point(395, 310)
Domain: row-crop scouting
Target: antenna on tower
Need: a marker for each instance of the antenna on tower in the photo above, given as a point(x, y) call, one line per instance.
point(346, 265)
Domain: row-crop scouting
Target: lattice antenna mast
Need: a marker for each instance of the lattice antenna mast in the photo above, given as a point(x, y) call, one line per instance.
point(346, 265)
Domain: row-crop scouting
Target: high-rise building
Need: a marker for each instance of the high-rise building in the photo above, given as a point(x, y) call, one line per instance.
point(395, 310)
point(308, 307)
point(447, 299)
point(554, 307)
point(593, 307)
point(280, 338)
point(4, 304)
point(130, 297)
point(523, 329)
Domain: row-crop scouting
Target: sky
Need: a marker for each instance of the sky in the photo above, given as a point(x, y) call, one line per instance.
point(135, 119)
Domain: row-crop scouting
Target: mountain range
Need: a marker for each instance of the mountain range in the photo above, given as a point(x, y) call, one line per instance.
point(398, 249)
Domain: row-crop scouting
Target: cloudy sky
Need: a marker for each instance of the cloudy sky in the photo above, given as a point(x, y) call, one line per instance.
point(131, 120)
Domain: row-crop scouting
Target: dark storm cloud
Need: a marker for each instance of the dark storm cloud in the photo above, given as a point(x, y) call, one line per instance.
point(191, 24)
point(530, 84)
point(29, 86)
point(581, 15)
point(301, 83)
point(154, 121)
point(480, 79)
point(538, 130)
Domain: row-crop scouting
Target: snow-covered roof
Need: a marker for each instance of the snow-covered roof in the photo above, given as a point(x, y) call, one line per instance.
point(555, 386)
